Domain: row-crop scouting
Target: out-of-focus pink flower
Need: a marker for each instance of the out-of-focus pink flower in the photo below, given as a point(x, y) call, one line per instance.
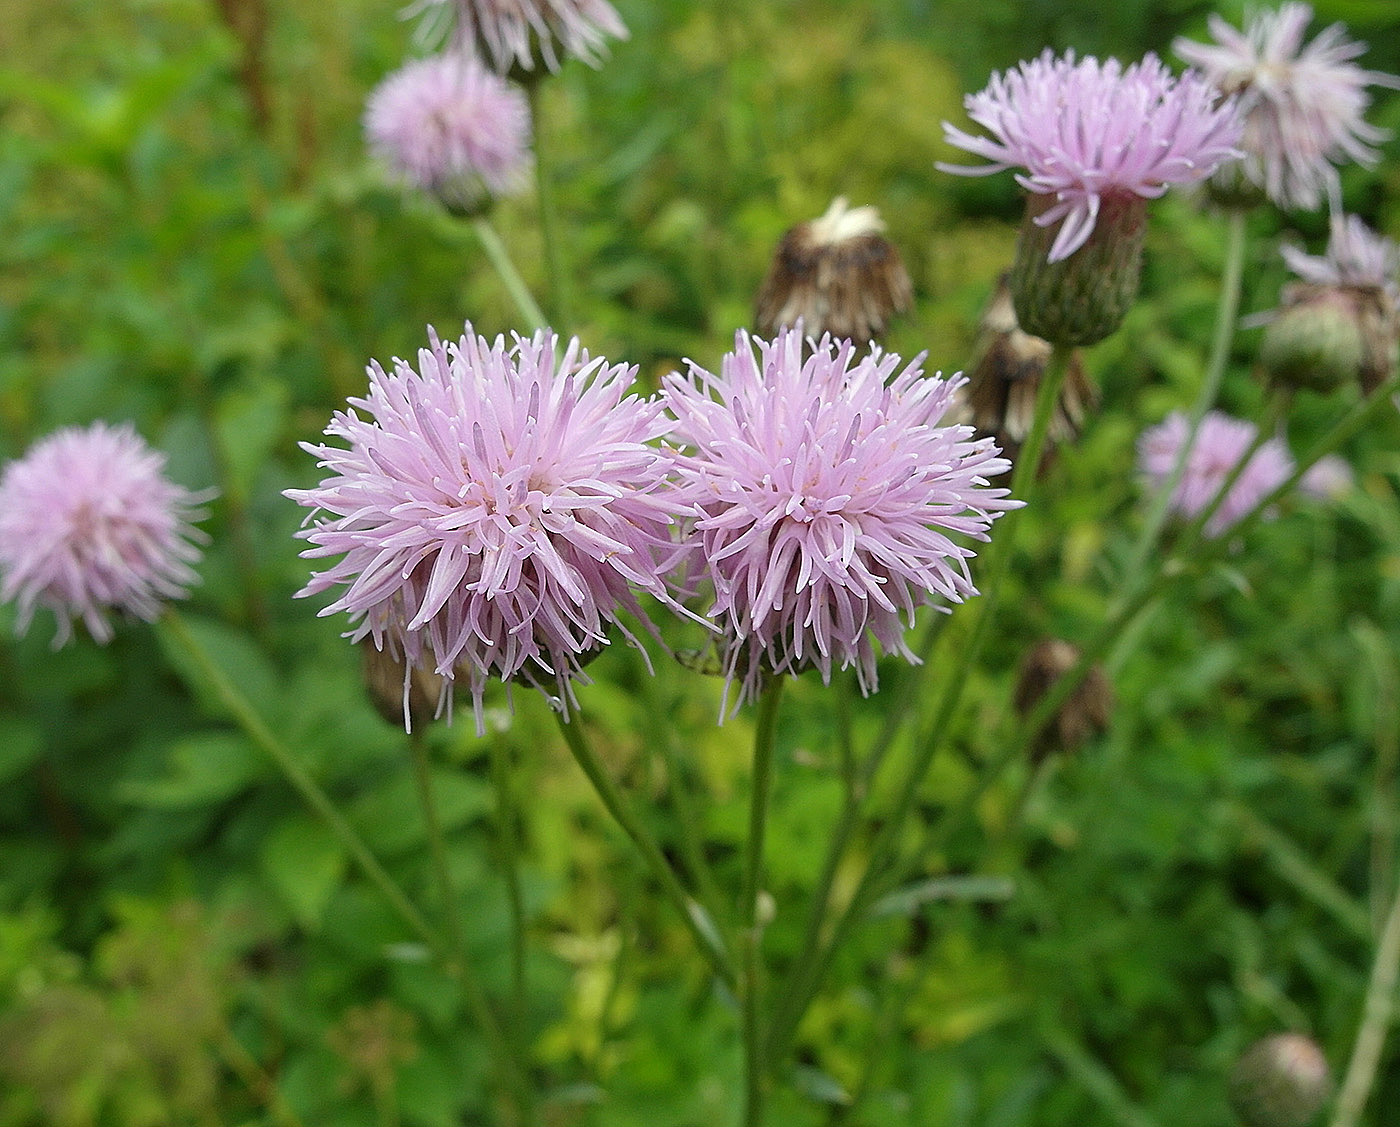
point(90, 523)
point(831, 501)
point(1221, 443)
point(1327, 479)
point(1356, 256)
point(1303, 105)
point(451, 127)
point(494, 510)
point(1086, 131)
point(511, 31)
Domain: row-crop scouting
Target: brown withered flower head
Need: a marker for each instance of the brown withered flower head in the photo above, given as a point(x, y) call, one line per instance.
point(837, 274)
point(1085, 712)
point(1004, 379)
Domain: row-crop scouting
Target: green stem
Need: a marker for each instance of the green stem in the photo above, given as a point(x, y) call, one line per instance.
point(311, 792)
point(507, 824)
point(510, 277)
point(811, 963)
point(437, 845)
point(697, 919)
point(755, 1064)
point(1377, 1012)
point(549, 221)
point(1227, 315)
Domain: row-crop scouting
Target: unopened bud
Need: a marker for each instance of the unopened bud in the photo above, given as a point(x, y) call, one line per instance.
point(837, 274)
point(1085, 712)
point(1083, 298)
point(1281, 1081)
point(1315, 341)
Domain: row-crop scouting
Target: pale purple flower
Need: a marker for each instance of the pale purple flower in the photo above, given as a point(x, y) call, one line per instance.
point(1085, 131)
point(1221, 442)
point(828, 501)
point(89, 523)
point(450, 126)
point(494, 510)
point(510, 31)
point(1327, 479)
point(1356, 256)
point(1303, 105)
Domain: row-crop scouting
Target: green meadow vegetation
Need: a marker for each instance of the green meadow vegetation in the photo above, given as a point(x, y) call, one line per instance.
point(194, 239)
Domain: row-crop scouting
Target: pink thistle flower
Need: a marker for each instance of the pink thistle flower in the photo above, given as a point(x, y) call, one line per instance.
point(1220, 443)
point(451, 127)
point(494, 511)
point(1327, 479)
point(1356, 256)
point(1087, 132)
point(509, 31)
point(90, 523)
point(827, 501)
point(1302, 106)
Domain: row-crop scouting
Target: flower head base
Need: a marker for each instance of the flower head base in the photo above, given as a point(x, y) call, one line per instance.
point(837, 274)
point(451, 127)
point(1221, 443)
point(509, 32)
point(1086, 132)
point(827, 501)
point(495, 511)
point(1302, 106)
point(90, 523)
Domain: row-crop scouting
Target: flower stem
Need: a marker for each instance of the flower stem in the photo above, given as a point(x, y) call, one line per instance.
point(1227, 314)
point(812, 962)
point(755, 1062)
point(549, 221)
point(510, 277)
point(507, 834)
point(209, 673)
point(1377, 1012)
point(697, 919)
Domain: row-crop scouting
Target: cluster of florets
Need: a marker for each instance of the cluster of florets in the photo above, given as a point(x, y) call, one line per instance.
point(499, 507)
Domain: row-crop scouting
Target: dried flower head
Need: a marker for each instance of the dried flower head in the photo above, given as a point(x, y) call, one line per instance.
point(837, 274)
point(1221, 442)
point(1303, 106)
point(509, 32)
point(90, 523)
point(1280, 1081)
point(1087, 132)
point(1356, 256)
point(451, 127)
point(999, 396)
point(494, 511)
point(828, 496)
point(1085, 712)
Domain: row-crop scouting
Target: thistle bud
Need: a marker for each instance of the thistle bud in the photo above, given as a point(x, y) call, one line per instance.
point(1082, 298)
point(1004, 380)
point(1085, 712)
point(1281, 1081)
point(837, 274)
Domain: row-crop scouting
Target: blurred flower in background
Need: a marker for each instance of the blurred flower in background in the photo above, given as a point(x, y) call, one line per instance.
point(1303, 106)
point(90, 523)
point(509, 32)
point(1221, 443)
point(828, 494)
point(494, 511)
point(837, 274)
point(450, 127)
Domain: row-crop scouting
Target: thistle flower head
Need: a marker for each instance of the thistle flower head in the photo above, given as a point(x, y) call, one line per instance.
point(1221, 443)
point(1356, 256)
point(1086, 131)
point(449, 126)
point(1303, 105)
point(494, 510)
point(831, 502)
point(90, 523)
point(510, 31)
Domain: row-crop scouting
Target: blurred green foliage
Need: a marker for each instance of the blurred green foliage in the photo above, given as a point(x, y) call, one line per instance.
point(191, 237)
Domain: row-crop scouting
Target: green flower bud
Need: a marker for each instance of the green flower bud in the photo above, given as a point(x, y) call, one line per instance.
point(1281, 1081)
